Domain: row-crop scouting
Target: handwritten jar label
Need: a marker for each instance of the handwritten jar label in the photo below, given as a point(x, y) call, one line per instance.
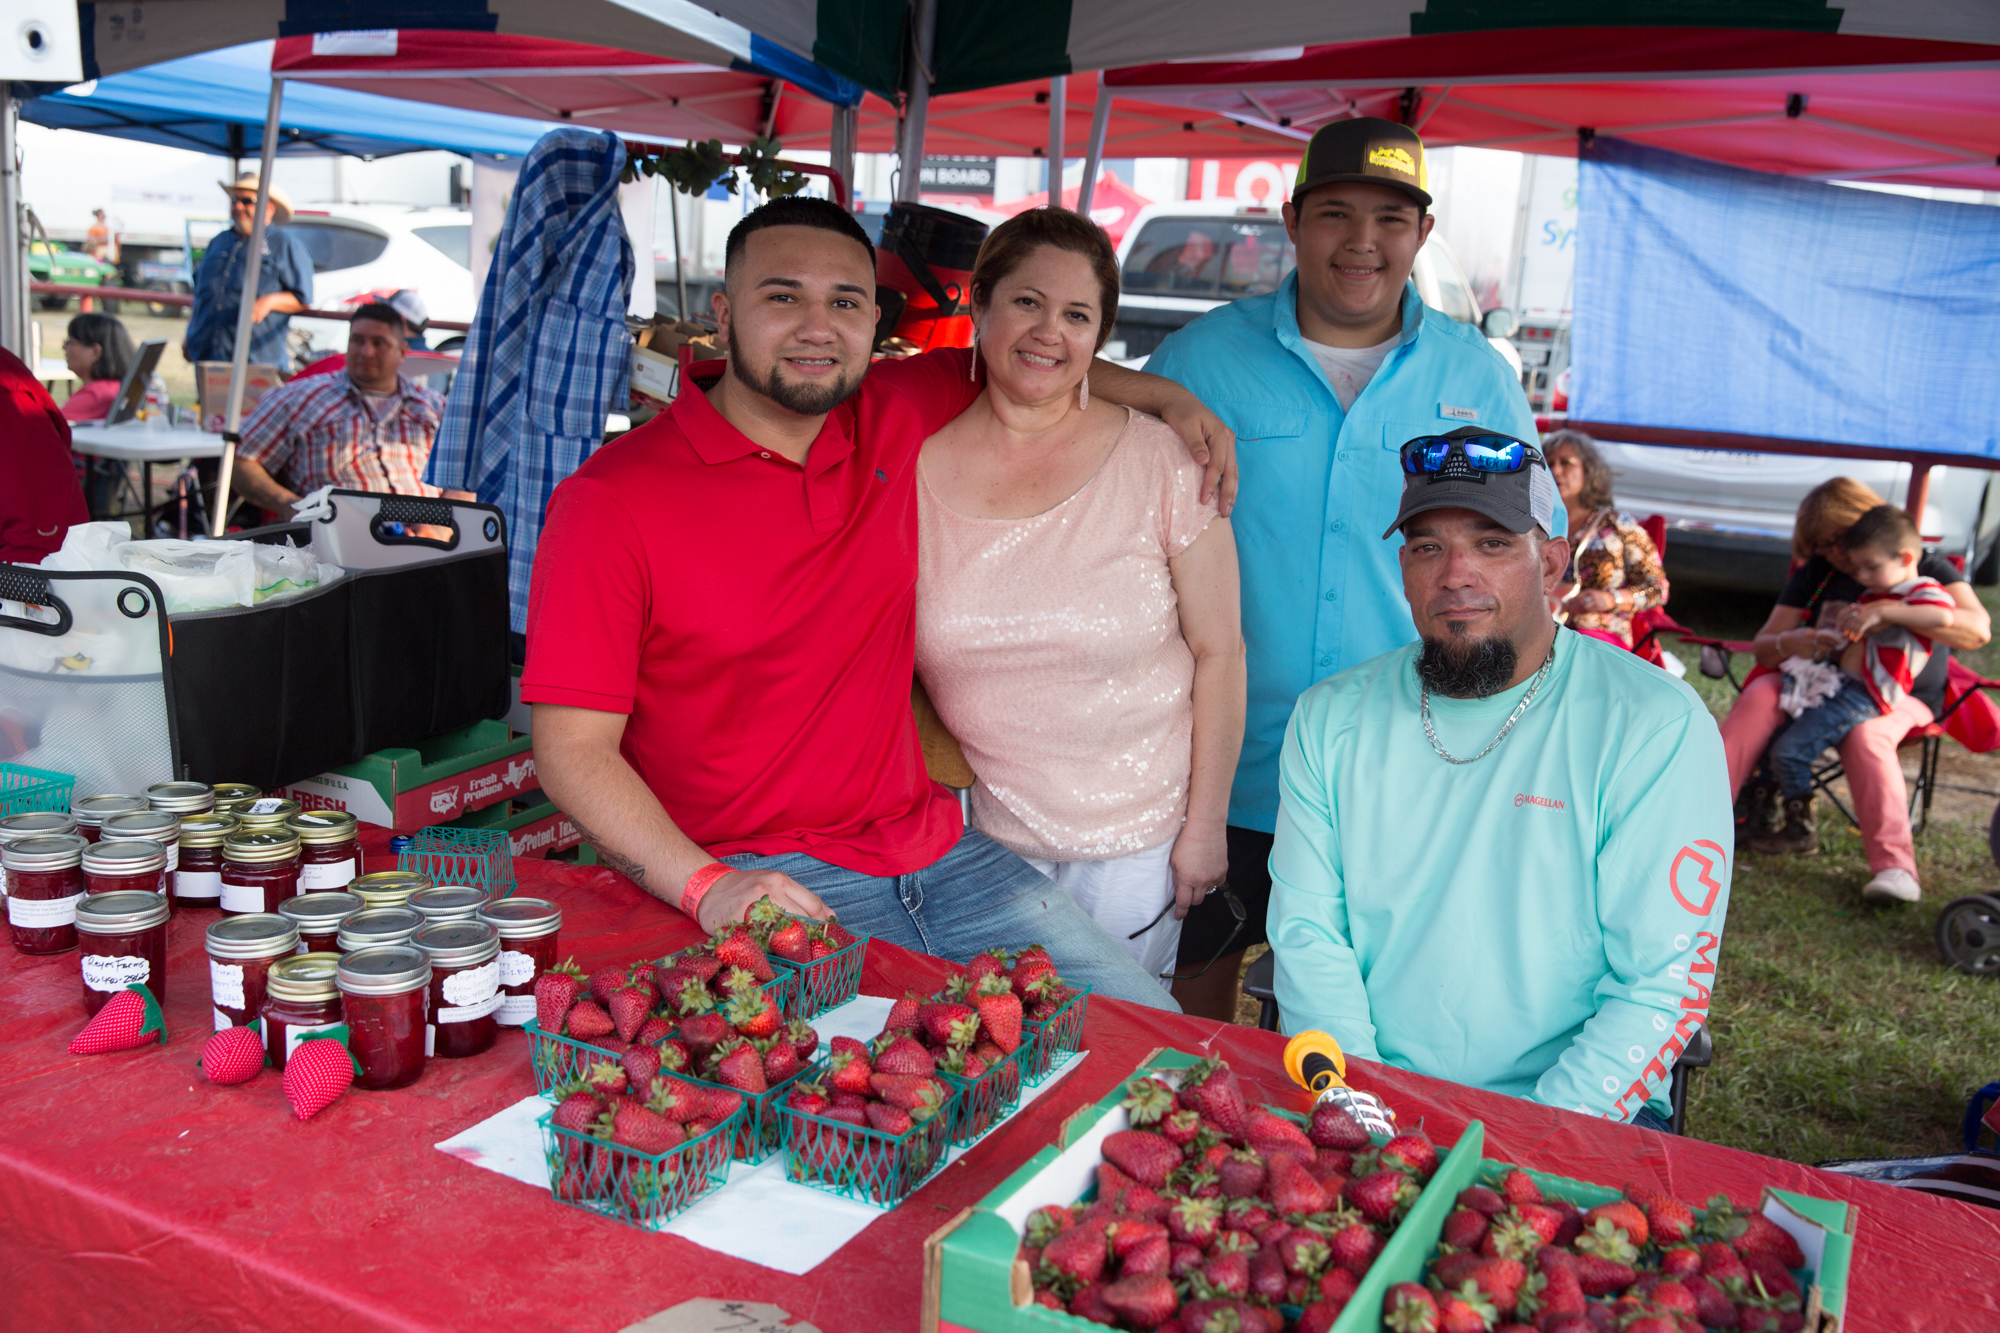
point(107, 972)
point(225, 985)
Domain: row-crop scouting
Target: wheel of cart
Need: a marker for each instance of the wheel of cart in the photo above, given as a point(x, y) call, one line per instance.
point(1968, 934)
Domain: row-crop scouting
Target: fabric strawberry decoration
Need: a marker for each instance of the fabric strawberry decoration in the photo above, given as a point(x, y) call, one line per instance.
point(234, 1055)
point(128, 1019)
point(316, 1073)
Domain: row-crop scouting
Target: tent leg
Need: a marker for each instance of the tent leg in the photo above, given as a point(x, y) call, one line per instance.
point(680, 269)
point(1058, 124)
point(1919, 492)
point(1100, 125)
point(253, 263)
point(13, 254)
point(841, 141)
point(916, 108)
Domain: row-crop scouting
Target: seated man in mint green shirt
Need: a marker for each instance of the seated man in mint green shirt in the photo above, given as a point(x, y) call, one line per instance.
point(1501, 855)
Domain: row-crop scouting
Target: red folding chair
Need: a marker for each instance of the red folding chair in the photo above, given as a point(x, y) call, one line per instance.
point(1647, 626)
point(1968, 716)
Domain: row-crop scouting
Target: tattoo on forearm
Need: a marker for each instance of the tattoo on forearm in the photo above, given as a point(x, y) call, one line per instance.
point(618, 861)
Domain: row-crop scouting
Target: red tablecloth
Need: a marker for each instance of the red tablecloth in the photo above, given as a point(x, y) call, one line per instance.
point(135, 1195)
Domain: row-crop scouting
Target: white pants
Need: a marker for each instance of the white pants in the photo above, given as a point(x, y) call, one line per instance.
point(1122, 895)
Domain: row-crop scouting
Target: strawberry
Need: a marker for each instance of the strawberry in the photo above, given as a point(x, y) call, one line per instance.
point(641, 1065)
point(1380, 1195)
point(587, 1021)
point(1553, 1291)
point(836, 934)
point(999, 1012)
point(1500, 1281)
point(948, 1023)
point(962, 1062)
point(654, 1030)
point(1408, 1308)
point(1046, 1223)
point(754, 1014)
point(1078, 1254)
point(1338, 1285)
point(780, 1061)
point(1464, 1311)
point(1512, 1238)
point(318, 1070)
point(1413, 1150)
point(1303, 1253)
point(1088, 1303)
point(1195, 1222)
point(1763, 1236)
point(740, 1067)
point(1242, 1175)
point(1607, 1240)
point(579, 1108)
point(1519, 1187)
point(1269, 1134)
point(633, 1125)
point(1625, 1216)
point(1767, 1271)
point(722, 1103)
point(790, 942)
point(1033, 975)
point(1355, 1246)
point(804, 1040)
point(992, 963)
point(889, 1119)
point(1146, 1157)
point(1180, 1127)
point(233, 1055)
point(1227, 1272)
point(1464, 1229)
point(807, 1096)
point(848, 1072)
point(606, 980)
point(130, 1018)
point(674, 1055)
point(1681, 1261)
point(700, 962)
point(628, 1008)
point(1671, 1221)
point(1146, 1301)
point(921, 1097)
point(1333, 1127)
point(905, 1055)
point(555, 991)
point(1712, 1307)
point(1268, 1279)
point(734, 946)
point(1210, 1088)
point(1482, 1200)
point(1291, 1189)
point(1151, 1255)
point(1599, 1276)
point(1673, 1296)
point(702, 1033)
point(1319, 1316)
point(903, 1013)
point(678, 1101)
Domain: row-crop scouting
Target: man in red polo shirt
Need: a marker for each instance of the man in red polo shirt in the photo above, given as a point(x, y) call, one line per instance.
point(721, 628)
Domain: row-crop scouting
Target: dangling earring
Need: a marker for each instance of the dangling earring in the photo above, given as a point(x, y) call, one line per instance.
point(972, 371)
point(1083, 393)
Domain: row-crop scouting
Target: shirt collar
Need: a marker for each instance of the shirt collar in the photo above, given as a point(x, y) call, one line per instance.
point(716, 441)
point(402, 389)
point(1285, 315)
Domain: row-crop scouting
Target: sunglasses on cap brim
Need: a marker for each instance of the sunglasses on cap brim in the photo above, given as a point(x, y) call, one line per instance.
point(1484, 453)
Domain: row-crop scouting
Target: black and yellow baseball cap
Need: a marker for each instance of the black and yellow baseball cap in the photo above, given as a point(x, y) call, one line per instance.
point(1366, 150)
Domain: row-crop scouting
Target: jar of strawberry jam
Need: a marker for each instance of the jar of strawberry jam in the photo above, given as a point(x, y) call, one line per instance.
point(465, 986)
point(181, 798)
point(32, 824)
point(241, 950)
point(387, 888)
point(128, 863)
point(160, 826)
point(124, 942)
point(44, 885)
point(259, 871)
point(377, 926)
point(330, 848)
point(300, 998)
point(384, 993)
point(448, 902)
point(529, 930)
point(319, 917)
point(90, 812)
point(266, 814)
point(198, 878)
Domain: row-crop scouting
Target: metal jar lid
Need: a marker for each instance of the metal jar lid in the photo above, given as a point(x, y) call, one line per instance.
point(90, 811)
point(62, 851)
point(266, 814)
point(317, 913)
point(522, 918)
point(377, 926)
point(393, 969)
point(207, 830)
point(182, 798)
point(458, 943)
point(252, 935)
point(322, 826)
point(307, 977)
point(127, 856)
point(259, 846)
point(235, 791)
point(121, 912)
point(387, 888)
point(448, 902)
point(155, 825)
point(35, 824)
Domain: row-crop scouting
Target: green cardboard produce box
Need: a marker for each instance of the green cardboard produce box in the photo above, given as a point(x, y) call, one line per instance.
point(440, 779)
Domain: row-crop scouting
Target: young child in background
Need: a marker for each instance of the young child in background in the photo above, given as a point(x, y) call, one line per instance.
point(1887, 647)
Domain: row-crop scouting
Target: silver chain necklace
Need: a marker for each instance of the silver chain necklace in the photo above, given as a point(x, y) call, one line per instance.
point(1505, 727)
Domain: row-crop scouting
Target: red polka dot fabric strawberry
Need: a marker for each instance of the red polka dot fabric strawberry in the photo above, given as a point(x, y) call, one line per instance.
point(129, 1019)
point(317, 1071)
point(234, 1055)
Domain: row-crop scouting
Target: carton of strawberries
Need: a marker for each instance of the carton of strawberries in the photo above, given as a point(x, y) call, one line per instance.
point(636, 1143)
point(827, 956)
point(870, 1124)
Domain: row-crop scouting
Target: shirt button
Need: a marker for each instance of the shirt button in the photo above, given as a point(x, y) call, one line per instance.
point(1331, 595)
point(1335, 526)
point(763, 455)
point(1327, 660)
point(1343, 455)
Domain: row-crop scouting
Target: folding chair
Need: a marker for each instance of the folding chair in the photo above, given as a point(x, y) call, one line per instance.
point(1647, 626)
point(1929, 737)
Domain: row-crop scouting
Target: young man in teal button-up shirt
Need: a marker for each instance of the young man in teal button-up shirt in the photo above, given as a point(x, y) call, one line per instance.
point(1322, 381)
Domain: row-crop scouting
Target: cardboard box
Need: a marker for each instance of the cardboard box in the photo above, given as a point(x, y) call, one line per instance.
point(537, 829)
point(211, 387)
point(442, 779)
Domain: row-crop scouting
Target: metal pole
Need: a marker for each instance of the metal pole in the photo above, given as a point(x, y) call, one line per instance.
point(1919, 492)
point(1100, 125)
point(841, 142)
point(916, 109)
point(13, 258)
point(239, 365)
point(1058, 116)
point(680, 269)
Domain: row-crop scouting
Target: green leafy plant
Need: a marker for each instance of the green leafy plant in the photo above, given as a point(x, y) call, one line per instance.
point(694, 168)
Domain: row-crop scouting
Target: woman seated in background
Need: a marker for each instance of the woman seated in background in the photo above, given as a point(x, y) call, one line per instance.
point(99, 351)
point(1806, 618)
point(1614, 568)
point(1077, 618)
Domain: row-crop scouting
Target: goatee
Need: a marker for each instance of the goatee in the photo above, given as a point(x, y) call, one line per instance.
point(808, 400)
point(1467, 668)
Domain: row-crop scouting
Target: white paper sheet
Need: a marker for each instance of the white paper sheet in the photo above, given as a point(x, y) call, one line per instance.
point(758, 1214)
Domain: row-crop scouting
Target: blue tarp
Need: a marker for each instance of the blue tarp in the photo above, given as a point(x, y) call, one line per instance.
point(1717, 299)
point(215, 103)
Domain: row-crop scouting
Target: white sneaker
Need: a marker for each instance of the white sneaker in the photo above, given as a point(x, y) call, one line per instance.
point(1893, 883)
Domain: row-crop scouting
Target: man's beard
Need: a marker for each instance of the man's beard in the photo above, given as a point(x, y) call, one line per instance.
point(808, 400)
point(1467, 668)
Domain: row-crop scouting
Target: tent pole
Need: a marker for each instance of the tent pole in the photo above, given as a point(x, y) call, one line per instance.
point(13, 256)
point(1093, 156)
point(1919, 492)
point(239, 365)
point(680, 269)
point(841, 141)
point(1058, 118)
point(917, 103)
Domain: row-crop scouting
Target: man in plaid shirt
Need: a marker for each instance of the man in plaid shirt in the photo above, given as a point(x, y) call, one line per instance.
point(365, 428)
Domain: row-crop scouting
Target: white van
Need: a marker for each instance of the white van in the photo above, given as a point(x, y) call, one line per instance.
point(363, 248)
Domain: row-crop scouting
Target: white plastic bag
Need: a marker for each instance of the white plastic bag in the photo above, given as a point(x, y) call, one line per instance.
point(196, 576)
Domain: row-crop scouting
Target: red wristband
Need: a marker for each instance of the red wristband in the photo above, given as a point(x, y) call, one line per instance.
point(698, 884)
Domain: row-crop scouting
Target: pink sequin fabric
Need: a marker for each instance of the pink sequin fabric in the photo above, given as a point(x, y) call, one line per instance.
point(1052, 648)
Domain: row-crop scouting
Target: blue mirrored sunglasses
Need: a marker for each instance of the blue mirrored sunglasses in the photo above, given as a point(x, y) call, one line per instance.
point(1485, 453)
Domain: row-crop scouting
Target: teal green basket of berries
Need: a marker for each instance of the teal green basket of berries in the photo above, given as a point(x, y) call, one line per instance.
point(761, 1071)
point(637, 1161)
point(731, 961)
point(970, 1034)
point(988, 1094)
point(1052, 1010)
point(876, 1146)
point(826, 956)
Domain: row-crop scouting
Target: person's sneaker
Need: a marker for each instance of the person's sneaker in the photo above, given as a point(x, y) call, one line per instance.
point(1893, 884)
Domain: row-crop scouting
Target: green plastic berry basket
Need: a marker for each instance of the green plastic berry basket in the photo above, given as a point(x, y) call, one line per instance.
point(759, 1133)
point(833, 980)
point(861, 1162)
point(630, 1186)
point(1061, 1031)
point(783, 987)
point(985, 1101)
point(479, 857)
point(24, 790)
point(558, 1060)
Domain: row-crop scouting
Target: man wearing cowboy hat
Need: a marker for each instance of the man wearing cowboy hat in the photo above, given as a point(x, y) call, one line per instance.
point(284, 282)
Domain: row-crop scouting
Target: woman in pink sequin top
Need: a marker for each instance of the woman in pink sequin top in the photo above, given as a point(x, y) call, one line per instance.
point(1077, 609)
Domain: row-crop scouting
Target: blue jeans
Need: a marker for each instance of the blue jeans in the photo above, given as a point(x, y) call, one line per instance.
point(975, 897)
point(1817, 730)
point(1648, 1118)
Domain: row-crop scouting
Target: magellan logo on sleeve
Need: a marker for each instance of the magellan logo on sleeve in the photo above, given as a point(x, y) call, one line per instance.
point(1396, 159)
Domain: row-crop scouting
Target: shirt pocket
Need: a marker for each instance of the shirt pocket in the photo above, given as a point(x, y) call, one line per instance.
point(1256, 423)
point(572, 369)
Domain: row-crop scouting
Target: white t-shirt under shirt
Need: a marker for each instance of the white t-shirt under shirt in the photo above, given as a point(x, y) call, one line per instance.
point(1348, 369)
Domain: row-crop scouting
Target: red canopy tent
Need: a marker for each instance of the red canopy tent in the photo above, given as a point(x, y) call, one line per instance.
point(1112, 205)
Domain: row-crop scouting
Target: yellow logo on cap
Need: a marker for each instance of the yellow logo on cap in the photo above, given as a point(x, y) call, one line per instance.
point(1396, 159)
